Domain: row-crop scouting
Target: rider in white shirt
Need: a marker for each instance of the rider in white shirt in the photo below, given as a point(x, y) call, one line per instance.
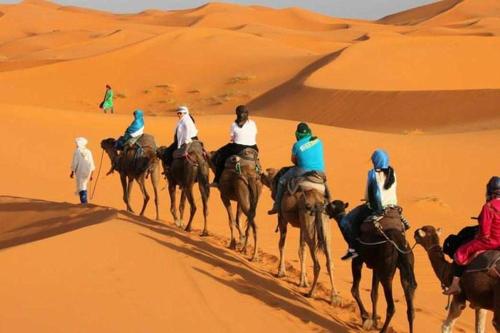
point(243, 133)
point(185, 132)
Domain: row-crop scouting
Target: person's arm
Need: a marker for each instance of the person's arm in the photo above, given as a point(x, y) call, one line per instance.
point(294, 159)
point(485, 221)
point(231, 132)
point(181, 134)
point(74, 163)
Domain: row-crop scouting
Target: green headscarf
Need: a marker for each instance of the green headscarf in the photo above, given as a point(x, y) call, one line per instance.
point(302, 131)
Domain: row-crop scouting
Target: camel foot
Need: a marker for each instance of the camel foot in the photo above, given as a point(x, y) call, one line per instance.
point(255, 258)
point(309, 294)
point(188, 229)
point(204, 233)
point(336, 300)
point(368, 324)
point(303, 283)
point(281, 273)
point(232, 245)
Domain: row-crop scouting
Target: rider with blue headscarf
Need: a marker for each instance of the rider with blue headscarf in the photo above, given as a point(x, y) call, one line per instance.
point(133, 132)
point(380, 194)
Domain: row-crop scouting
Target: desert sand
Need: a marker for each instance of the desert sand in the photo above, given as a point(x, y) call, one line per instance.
point(423, 84)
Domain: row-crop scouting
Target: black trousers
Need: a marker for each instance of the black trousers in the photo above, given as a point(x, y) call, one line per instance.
point(224, 153)
point(168, 156)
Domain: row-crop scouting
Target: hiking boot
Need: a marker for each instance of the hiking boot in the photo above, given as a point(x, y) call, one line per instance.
point(351, 254)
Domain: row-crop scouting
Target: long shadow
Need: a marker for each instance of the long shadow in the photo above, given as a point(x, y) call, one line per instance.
point(252, 282)
point(53, 219)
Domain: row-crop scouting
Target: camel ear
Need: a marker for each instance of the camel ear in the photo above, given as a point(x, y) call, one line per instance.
point(421, 233)
point(439, 231)
point(346, 205)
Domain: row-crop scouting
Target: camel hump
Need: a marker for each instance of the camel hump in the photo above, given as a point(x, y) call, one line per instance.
point(485, 261)
point(147, 141)
point(248, 158)
point(195, 147)
point(312, 180)
point(391, 220)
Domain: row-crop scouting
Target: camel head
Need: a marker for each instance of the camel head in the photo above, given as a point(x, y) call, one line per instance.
point(427, 236)
point(108, 144)
point(267, 177)
point(336, 209)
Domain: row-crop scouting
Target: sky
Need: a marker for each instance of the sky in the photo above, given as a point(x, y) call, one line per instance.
point(366, 9)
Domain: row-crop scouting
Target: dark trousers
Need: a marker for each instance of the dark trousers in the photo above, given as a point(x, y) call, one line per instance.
point(168, 156)
point(224, 153)
point(351, 223)
point(83, 197)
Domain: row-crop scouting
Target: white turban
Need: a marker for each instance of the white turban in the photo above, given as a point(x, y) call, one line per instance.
point(183, 110)
point(81, 142)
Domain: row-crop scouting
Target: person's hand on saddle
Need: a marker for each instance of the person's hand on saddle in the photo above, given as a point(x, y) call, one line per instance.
point(72, 174)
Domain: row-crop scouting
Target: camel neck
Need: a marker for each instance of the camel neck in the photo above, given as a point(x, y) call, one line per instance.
point(441, 267)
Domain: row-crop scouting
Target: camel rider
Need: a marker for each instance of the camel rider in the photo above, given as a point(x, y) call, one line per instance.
point(243, 133)
point(133, 132)
point(307, 155)
point(488, 237)
point(185, 133)
point(107, 103)
point(380, 195)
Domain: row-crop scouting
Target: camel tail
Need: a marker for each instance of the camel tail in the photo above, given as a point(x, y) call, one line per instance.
point(318, 223)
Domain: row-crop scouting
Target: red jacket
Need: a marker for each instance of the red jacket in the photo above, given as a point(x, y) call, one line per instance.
point(488, 237)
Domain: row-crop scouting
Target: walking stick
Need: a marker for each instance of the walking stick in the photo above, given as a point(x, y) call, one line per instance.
point(98, 173)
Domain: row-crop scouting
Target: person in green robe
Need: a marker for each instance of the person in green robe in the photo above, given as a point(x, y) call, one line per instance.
point(107, 103)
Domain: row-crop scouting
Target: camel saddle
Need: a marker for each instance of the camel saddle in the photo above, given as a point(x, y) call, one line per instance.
point(486, 261)
point(390, 220)
point(139, 144)
point(313, 180)
point(248, 157)
point(186, 149)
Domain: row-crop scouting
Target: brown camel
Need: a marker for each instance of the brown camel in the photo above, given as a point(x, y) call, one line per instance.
point(383, 256)
point(304, 210)
point(184, 172)
point(135, 165)
point(241, 182)
point(479, 288)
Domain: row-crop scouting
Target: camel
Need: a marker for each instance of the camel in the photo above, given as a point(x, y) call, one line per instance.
point(304, 210)
point(184, 173)
point(383, 258)
point(133, 166)
point(479, 288)
point(241, 182)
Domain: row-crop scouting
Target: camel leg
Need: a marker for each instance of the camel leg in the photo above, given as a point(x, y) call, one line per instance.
point(356, 268)
point(142, 186)
point(232, 223)
point(182, 205)
point(409, 291)
point(123, 180)
point(387, 285)
point(252, 223)
point(130, 182)
point(316, 268)
point(173, 204)
point(456, 308)
point(480, 320)
point(335, 298)
point(496, 306)
point(204, 191)
point(192, 206)
point(155, 180)
point(372, 323)
point(283, 230)
point(238, 225)
point(302, 257)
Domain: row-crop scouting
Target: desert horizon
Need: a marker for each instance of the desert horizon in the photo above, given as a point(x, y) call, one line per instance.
point(421, 84)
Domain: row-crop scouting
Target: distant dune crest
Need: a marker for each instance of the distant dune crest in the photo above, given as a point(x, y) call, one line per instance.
point(430, 67)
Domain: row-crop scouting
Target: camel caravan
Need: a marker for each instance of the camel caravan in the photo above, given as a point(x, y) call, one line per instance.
point(375, 231)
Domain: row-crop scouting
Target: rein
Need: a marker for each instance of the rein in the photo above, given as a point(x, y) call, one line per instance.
point(97, 178)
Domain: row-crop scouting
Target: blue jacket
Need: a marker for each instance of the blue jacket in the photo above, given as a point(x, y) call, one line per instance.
point(136, 125)
point(308, 152)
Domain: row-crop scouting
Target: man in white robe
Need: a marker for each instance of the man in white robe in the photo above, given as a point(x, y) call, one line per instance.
point(82, 168)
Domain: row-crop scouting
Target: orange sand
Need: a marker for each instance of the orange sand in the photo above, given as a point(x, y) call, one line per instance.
point(412, 82)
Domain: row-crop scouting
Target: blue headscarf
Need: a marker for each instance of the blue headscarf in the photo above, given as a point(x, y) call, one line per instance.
point(380, 160)
point(137, 124)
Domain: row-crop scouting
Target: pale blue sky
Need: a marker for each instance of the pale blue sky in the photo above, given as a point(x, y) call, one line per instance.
point(369, 9)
